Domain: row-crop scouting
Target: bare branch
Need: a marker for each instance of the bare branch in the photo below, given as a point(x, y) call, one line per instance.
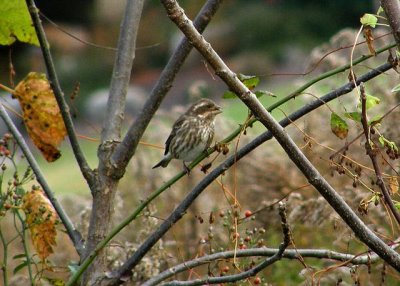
point(178, 16)
point(366, 258)
point(127, 148)
point(58, 93)
point(122, 71)
point(72, 232)
point(104, 190)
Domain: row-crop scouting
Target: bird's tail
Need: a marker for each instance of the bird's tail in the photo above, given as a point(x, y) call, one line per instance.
point(163, 163)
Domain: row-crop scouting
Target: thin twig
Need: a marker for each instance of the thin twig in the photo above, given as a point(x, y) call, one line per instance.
point(58, 93)
point(252, 271)
point(74, 235)
point(370, 146)
point(359, 259)
point(325, 75)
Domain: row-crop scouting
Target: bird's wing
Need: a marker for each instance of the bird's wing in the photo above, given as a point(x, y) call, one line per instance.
point(177, 125)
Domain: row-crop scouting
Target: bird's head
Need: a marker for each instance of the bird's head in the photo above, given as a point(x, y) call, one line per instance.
point(204, 108)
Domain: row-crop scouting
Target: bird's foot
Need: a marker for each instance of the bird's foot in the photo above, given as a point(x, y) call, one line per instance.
point(186, 169)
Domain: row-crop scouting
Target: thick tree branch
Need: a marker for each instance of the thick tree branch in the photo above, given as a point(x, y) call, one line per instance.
point(127, 148)
point(392, 11)
point(105, 187)
point(74, 234)
point(122, 71)
point(178, 16)
point(58, 93)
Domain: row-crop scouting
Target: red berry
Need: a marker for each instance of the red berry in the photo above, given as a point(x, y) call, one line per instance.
point(248, 213)
point(225, 269)
point(257, 281)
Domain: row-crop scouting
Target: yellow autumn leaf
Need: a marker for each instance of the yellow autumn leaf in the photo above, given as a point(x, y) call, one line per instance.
point(41, 114)
point(41, 220)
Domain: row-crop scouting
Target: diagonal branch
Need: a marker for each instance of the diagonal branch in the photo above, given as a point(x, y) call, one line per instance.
point(58, 93)
point(127, 148)
point(74, 234)
point(177, 15)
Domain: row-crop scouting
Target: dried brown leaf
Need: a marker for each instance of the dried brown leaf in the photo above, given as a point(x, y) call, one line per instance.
point(41, 114)
point(41, 220)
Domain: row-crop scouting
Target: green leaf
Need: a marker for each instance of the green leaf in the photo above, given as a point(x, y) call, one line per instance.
point(20, 267)
point(260, 93)
point(397, 205)
point(356, 116)
point(16, 23)
point(382, 140)
point(375, 120)
point(396, 88)
point(387, 142)
point(250, 81)
point(369, 20)
point(229, 94)
point(371, 101)
point(339, 127)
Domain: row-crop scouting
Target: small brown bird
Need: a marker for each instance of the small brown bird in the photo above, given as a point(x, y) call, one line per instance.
point(191, 134)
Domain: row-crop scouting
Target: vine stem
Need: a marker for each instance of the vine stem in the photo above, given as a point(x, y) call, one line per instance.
point(4, 268)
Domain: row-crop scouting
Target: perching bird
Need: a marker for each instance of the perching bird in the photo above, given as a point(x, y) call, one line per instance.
point(191, 134)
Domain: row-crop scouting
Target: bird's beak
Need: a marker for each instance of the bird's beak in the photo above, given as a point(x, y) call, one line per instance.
point(218, 110)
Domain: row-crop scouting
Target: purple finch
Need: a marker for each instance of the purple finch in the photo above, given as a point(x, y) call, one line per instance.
point(191, 134)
